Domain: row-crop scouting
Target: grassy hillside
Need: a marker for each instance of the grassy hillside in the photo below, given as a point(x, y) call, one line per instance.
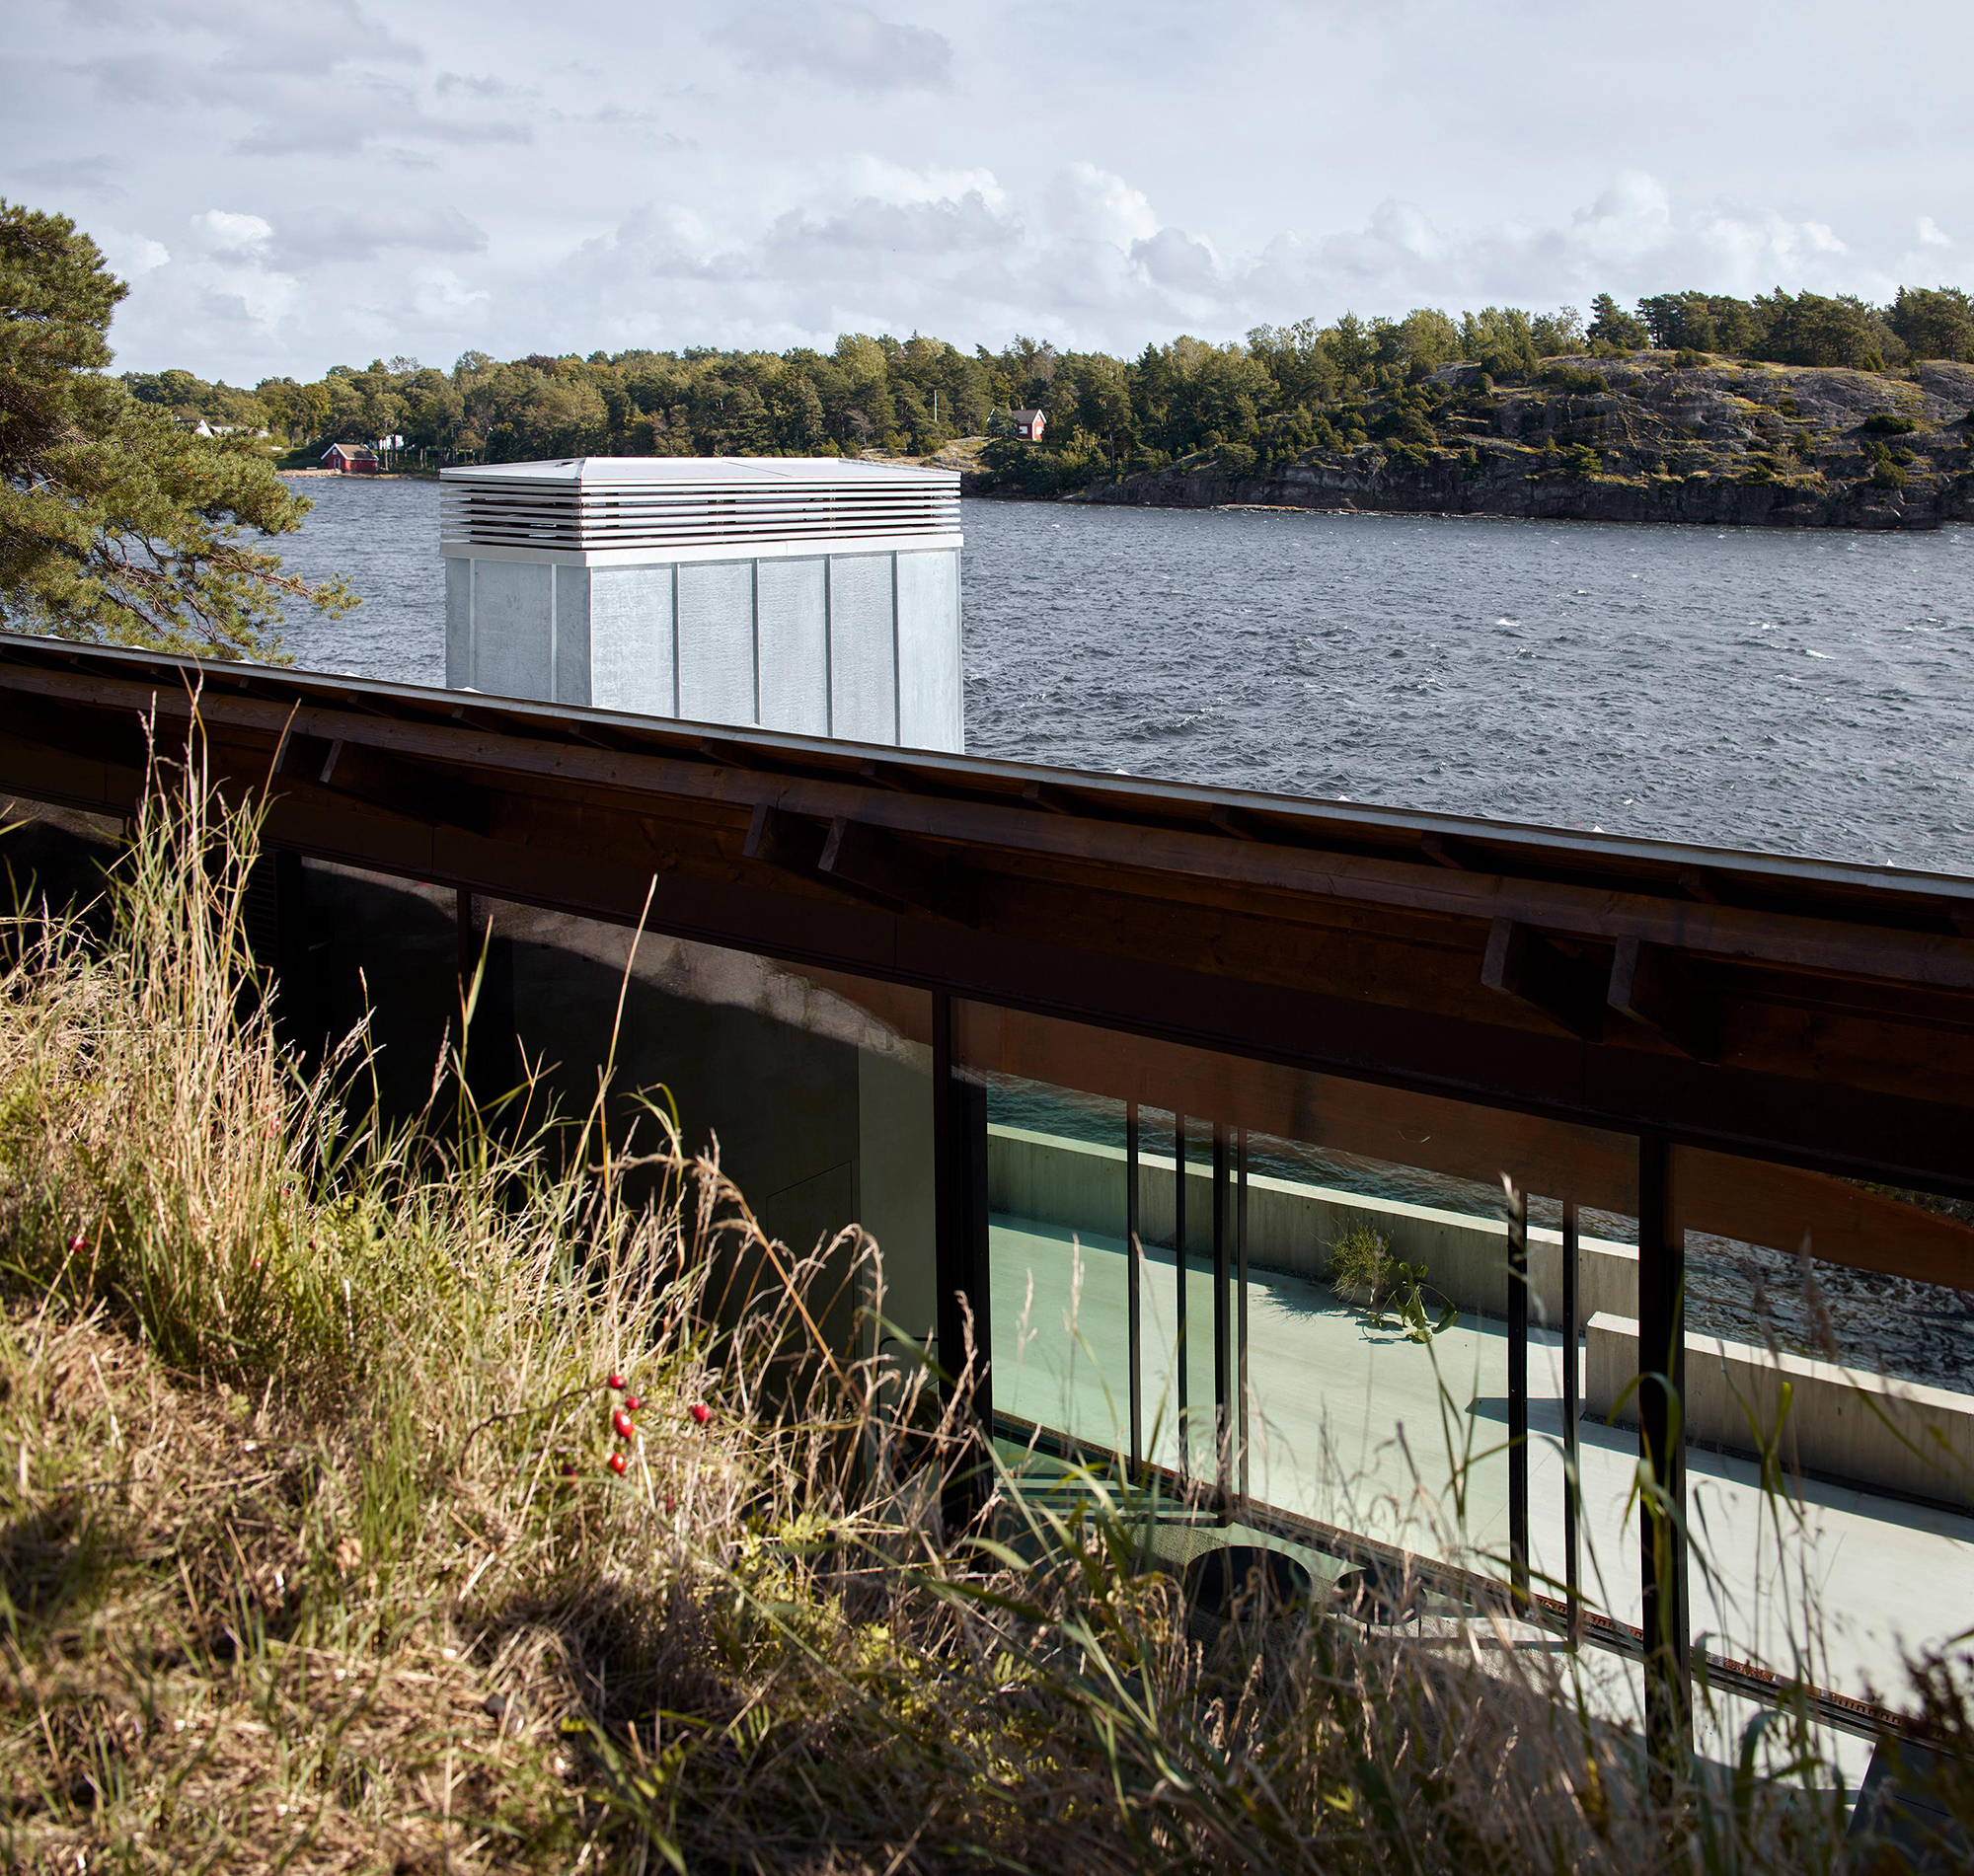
point(314, 1557)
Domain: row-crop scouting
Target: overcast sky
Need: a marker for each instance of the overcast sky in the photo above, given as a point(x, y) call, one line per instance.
point(293, 184)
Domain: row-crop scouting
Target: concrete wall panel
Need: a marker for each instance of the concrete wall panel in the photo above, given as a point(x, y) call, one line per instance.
point(631, 654)
point(458, 625)
point(795, 645)
point(862, 647)
point(572, 635)
point(930, 702)
point(716, 642)
point(510, 636)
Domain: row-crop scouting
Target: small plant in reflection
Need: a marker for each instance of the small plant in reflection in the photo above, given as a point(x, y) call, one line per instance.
point(1392, 1292)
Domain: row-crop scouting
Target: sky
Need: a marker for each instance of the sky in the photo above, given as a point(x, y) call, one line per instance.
point(297, 185)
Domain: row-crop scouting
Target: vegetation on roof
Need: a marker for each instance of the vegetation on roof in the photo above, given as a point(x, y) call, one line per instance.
point(335, 1539)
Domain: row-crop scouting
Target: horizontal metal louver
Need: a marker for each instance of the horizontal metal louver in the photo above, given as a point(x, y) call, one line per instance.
point(595, 504)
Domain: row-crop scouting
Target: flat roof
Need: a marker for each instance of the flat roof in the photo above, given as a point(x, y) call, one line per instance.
point(698, 471)
point(1814, 1010)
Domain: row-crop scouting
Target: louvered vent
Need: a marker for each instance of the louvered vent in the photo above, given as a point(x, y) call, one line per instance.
point(629, 504)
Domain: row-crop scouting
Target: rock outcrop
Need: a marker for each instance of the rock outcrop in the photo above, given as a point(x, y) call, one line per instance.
point(1638, 438)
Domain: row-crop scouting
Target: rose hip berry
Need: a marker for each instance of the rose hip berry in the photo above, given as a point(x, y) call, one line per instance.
point(629, 1403)
point(78, 1243)
point(620, 1424)
point(616, 1464)
point(701, 1413)
point(615, 1384)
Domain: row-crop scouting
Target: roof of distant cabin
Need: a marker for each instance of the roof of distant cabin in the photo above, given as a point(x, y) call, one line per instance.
point(1026, 417)
point(350, 449)
point(591, 471)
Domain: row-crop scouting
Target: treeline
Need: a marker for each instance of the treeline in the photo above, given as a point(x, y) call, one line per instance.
point(1282, 390)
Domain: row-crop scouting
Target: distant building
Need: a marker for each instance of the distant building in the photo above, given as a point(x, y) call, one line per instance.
point(350, 458)
point(1029, 424)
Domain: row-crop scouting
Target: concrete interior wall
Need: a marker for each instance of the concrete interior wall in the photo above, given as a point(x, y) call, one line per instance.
point(818, 1112)
point(1292, 1226)
point(1817, 1417)
point(1827, 1421)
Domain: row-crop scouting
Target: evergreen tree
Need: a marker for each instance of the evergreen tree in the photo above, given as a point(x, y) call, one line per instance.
point(1611, 326)
point(118, 523)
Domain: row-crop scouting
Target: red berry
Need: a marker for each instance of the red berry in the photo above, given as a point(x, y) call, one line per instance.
point(701, 1412)
point(568, 1468)
point(671, 1503)
point(615, 1383)
point(629, 1403)
point(616, 1464)
point(78, 1243)
point(620, 1424)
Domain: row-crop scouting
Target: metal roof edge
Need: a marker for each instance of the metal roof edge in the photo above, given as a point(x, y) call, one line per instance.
point(1139, 795)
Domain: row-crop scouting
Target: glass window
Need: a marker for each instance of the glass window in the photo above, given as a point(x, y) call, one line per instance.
point(1829, 1419)
point(1321, 1335)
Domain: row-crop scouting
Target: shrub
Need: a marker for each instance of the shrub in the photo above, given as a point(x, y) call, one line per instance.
point(1360, 1260)
point(1573, 378)
point(1886, 474)
point(1887, 423)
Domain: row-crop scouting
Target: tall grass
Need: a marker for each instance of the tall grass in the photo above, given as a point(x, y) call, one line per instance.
point(313, 1560)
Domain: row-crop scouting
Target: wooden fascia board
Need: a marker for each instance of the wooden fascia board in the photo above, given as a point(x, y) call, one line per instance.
point(1791, 940)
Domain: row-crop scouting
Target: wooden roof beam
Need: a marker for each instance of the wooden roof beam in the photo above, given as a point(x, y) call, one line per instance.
point(1667, 994)
point(1566, 991)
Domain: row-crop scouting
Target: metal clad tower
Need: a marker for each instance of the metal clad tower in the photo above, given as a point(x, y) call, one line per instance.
point(798, 593)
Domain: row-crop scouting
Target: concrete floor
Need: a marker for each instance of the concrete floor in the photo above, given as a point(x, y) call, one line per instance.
point(1404, 1443)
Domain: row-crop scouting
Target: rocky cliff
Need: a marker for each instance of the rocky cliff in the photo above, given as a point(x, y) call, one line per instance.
point(1647, 438)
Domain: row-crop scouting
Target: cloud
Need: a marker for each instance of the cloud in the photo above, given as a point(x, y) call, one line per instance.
point(483, 87)
point(387, 117)
point(224, 231)
point(252, 39)
point(1931, 235)
point(838, 42)
point(1087, 259)
point(85, 175)
point(131, 256)
point(1085, 203)
point(342, 236)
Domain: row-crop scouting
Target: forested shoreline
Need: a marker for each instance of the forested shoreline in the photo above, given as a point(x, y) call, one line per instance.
point(1830, 410)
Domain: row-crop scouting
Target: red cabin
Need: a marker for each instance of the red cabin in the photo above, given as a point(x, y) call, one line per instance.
point(350, 458)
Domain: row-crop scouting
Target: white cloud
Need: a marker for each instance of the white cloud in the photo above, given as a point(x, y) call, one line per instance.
point(130, 256)
point(425, 175)
point(838, 42)
point(223, 231)
point(1085, 203)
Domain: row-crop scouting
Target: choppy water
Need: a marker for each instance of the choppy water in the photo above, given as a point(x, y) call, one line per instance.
point(1796, 692)
point(1801, 692)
